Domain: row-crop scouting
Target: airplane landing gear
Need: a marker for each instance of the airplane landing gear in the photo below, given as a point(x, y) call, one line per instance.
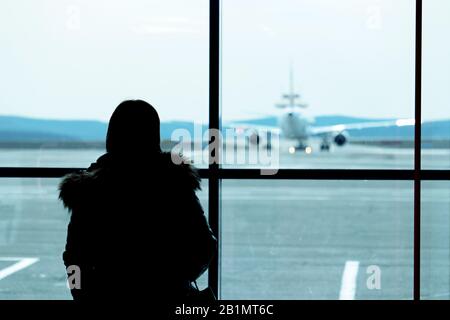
point(301, 146)
point(325, 145)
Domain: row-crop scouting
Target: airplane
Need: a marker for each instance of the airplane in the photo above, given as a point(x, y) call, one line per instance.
point(294, 124)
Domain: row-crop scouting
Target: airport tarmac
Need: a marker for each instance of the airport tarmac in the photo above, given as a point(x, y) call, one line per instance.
point(347, 157)
point(280, 239)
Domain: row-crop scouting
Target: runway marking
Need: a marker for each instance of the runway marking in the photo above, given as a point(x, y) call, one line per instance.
point(348, 284)
point(21, 263)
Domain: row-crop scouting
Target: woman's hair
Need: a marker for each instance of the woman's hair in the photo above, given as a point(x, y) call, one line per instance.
point(133, 128)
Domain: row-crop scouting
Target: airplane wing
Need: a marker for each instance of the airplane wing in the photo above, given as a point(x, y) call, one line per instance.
point(321, 131)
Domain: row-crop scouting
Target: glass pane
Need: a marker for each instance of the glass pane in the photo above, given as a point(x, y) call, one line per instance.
point(202, 282)
point(436, 80)
point(435, 271)
point(322, 83)
point(33, 226)
point(63, 61)
point(317, 240)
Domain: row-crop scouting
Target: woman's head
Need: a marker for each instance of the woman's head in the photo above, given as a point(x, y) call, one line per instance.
point(133, 128)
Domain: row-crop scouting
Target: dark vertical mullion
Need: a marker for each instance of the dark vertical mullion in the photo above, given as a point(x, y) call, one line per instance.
point(214, 124)
point(417, 149)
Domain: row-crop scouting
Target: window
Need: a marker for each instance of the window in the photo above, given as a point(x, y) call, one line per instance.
point(380, 210)
point(436, 239)
point(67, 65)
point(435, 195)
point(436, 79)
point(286, 239)
point(33, 226)
point(324, 73)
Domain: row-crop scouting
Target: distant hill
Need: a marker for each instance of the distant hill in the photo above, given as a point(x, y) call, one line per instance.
point(29, 129)
point(21, 129)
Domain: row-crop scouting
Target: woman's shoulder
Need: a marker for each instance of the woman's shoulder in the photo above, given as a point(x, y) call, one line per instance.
point(179, 168)
point(170, 169)
point(76, 186)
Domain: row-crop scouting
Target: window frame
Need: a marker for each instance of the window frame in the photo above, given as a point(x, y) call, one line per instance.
point(215, 174)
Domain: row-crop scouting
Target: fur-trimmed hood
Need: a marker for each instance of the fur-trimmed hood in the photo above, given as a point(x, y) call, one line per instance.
point(77, 186)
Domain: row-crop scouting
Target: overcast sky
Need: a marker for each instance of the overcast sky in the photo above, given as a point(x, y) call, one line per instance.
point(78, 59)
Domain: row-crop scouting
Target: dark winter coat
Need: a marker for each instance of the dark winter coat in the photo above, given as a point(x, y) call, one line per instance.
point(136, 229)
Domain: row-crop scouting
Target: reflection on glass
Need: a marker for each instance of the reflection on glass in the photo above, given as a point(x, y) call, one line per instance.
point(33, 226)
point(317, 240)
point(435, 254)
point(333, 80)
point(436, 80)
point(63, 61)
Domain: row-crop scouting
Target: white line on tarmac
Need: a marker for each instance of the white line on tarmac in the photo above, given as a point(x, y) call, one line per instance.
point(21, 264)
point(348, 284)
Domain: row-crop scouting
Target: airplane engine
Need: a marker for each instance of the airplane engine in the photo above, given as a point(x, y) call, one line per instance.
point(341, 139)
point(255, 138)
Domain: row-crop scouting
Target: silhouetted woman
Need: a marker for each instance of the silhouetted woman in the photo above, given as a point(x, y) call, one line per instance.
point(137, 229)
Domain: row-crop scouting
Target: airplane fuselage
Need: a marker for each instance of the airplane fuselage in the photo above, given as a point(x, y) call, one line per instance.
point(294, 126)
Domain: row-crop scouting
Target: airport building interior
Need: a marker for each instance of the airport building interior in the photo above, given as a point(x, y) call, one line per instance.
point(320, 129)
